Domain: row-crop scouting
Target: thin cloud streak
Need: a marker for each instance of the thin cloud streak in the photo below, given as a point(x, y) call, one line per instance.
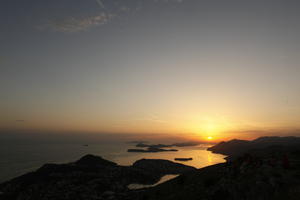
point(100, 3)
point(20, 120)
point(72, 24)
point(79, 24)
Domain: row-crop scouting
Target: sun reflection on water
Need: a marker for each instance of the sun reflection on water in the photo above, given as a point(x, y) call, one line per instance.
point(201, 157)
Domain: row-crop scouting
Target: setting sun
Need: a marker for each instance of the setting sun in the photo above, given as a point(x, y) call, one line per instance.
point(209, 137)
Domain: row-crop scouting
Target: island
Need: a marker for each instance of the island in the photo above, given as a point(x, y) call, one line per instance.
point(150, 150)
point(182, 144)
point(154, 148)
point(183, 159)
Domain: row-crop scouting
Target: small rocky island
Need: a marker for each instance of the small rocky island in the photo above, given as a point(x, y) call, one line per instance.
point(183, 159)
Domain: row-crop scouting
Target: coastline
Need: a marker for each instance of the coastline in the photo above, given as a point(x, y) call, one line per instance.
point(266, 172)
point(28, 158)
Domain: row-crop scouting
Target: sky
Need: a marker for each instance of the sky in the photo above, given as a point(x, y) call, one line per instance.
point(185, 67)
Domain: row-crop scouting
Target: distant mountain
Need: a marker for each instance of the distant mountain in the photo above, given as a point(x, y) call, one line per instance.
point(237, 147)
point(273, 140)
point(231, 146)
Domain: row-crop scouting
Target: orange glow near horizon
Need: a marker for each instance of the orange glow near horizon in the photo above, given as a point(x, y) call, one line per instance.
point(206, 127)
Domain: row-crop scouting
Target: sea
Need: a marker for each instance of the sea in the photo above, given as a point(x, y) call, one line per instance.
point(17, 158)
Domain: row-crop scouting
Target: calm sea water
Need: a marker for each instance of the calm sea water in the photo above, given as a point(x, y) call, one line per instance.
point(17, 159)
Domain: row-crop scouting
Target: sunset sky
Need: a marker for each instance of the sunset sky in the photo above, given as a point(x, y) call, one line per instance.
point(200, 67)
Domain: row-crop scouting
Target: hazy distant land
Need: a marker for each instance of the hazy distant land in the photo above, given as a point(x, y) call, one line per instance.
point(150, 150)
point(154, 148)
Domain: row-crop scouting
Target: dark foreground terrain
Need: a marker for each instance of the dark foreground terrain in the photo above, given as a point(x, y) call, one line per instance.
point(89, 178)
point(270, 170)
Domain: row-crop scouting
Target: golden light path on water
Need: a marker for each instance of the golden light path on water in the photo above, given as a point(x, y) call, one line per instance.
point(201, 157)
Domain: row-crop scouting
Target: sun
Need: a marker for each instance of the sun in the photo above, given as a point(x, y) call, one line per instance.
point(209, 137)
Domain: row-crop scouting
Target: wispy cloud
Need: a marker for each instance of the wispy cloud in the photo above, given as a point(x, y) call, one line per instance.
point(72, 24)
point(100, 3)
point(167, 1)
point(152, 118)
point(108, 12)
